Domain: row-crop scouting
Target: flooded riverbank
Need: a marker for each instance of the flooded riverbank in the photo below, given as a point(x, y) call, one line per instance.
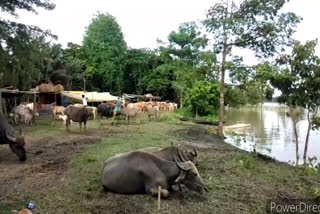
point(270, 132)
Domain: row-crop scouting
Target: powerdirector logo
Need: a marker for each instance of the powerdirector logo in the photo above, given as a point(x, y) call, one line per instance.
point(293, 206)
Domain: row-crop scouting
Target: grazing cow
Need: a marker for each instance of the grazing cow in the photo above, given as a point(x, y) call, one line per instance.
point(9, 136)
point(23, 115)
point(94, 109)
point(143, 172)
point(130, 112)
point(152, 111)
point(77, 114)
point(105, 110)
point(57, 110)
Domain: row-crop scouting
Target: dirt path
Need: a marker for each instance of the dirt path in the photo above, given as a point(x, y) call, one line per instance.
point(47, 161)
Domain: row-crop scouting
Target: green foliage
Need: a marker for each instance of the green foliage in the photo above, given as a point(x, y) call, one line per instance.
point(22, 47)
point(10, 6)
point(316, 193)
point(138, 65)
point(158, 81)
point(235, 97)
point(299, 81)
point(75, 60)
point(203, 97)
point(299, 76)
point(105, 47)
point(254, 24)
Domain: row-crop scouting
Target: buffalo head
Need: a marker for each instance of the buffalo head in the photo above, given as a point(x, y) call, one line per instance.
point(190, 177)
point(17, 143)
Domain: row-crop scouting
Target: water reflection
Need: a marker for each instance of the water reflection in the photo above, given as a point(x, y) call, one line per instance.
point(271, 132)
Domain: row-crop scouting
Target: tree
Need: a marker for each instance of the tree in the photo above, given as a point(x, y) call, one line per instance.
point(299, 81)
point(203, 97)
point(185, 56)
point(75, 60)
point(105, 47)
point(253, 24)
point(137, 66)
point(22, 46)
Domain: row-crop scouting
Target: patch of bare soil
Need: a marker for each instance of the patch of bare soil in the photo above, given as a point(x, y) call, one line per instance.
point(47, 161)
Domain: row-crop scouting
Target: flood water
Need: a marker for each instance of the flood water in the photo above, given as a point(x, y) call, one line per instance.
point(271, 132)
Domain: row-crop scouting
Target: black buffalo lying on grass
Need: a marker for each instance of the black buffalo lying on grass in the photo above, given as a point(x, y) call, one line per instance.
point(144, 172)
point(77, 114)
point(15, 140)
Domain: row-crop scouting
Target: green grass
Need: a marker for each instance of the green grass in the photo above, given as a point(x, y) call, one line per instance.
point(238, 181)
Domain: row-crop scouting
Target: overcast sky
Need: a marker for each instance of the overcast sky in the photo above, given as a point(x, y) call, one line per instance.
point(143, 21)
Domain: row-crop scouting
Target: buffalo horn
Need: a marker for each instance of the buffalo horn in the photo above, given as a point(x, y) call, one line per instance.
point(182, 157)
point(181, 165)
point(194, 153)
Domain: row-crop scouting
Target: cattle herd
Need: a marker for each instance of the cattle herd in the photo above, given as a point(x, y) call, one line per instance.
point(140, 171)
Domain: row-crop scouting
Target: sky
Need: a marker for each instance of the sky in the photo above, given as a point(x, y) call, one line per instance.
point(144, 21)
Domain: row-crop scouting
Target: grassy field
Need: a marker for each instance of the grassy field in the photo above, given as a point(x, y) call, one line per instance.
point(63, 173)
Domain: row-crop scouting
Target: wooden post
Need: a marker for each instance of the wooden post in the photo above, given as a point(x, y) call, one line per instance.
point(34, 103)
point(159, 197)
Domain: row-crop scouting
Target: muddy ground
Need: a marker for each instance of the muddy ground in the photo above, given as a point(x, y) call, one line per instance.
point(62, 173)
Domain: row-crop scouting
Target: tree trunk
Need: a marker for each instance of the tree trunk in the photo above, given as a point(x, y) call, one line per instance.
point(294, 122)
point(297, 141)
point(223, 69)
point(221, 99)
point(307, 139)
point(181, 100)
point(196, 112)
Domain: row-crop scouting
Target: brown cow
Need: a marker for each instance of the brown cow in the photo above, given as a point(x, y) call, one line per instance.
point(77, 114)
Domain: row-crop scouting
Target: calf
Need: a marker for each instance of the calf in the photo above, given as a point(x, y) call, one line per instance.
point(57, 110)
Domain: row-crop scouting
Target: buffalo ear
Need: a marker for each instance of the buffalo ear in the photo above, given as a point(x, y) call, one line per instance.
point(181, 177)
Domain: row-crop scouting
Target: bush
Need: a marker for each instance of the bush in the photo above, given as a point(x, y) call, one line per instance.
point(203, 98)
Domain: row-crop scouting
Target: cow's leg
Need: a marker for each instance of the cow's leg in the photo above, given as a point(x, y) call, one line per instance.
point(68, 125)
point(85, 126)
point(80, 124)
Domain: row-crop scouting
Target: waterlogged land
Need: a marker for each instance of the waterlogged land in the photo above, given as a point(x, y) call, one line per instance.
point(271, 132)
point(62, 175)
